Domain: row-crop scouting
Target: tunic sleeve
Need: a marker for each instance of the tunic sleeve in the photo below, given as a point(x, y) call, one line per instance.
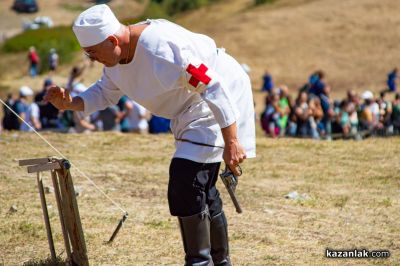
point(181, 69)
point(100, 95)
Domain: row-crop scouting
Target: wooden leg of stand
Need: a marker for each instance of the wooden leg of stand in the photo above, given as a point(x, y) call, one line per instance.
point(46, 216)
point(73, 219)
point(67, 215)
point(61, 214)
point(80, 238)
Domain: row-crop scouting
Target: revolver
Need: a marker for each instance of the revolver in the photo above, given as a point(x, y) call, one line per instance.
point(230, 182)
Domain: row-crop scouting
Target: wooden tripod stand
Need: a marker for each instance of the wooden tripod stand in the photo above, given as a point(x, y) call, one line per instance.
point(64, 191)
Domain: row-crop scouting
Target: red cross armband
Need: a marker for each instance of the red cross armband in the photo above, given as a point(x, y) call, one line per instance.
point(198, 77)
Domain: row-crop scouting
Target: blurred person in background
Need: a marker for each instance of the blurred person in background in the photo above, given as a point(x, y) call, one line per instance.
point(34, 61)
point(327, 107)
point(20, 106)
point(285, 103)
point(159, 125)
point(312, 79)
point(396, 114)
point(270, 116)
point(385, 111)
point(53, 59)
point(74, 74)
point(133, 116)
point(317, 83)
point(354, 109)
point(107, 119)
point(137, 117)
point(353, 117)
point(48, 113)
point(10, 121)
point(303, 114)
point(341, 122)
point(29, 110)
point(353, 97)
point(81, 122)
point(316, 116)
point(268, 83)
point(123, 106)
point(392, 80)
point(370, 113)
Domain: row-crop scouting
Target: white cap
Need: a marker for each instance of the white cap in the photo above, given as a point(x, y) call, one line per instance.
point(94, 25)
point(25, 91)
point(367, 95)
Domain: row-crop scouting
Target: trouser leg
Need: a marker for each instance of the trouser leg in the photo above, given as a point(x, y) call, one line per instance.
point(191, 193)
point(192, 186)
point(218, 225)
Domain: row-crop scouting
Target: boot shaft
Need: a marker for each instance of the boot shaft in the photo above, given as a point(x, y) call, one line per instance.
point(219, 240)
point(195, 231)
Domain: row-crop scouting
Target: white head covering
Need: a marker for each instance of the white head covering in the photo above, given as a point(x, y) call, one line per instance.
point(25, 91)
point(94, 25)
point(367, 95)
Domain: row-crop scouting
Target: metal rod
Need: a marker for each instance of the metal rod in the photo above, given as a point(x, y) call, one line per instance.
point(46, 216)
point(121, 222)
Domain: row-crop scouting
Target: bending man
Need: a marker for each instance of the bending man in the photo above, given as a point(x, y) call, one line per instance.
point(183, 76)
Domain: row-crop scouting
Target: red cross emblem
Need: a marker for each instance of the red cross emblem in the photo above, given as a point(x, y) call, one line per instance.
point(198, 74)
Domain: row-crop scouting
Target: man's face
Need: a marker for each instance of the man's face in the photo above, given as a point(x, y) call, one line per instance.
point(105, 53)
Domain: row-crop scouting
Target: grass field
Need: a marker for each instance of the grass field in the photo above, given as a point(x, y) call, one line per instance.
point(353, 190)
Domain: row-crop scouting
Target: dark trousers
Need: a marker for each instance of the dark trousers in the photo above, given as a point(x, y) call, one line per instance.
point(192, 186)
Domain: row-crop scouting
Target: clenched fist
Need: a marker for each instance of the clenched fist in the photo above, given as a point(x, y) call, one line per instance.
point(62, 100)
point(59, 97)
point(233, 155)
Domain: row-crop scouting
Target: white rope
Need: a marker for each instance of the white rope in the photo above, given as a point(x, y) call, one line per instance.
point(63, 156)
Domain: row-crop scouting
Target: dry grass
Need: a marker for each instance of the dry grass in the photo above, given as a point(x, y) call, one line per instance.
point(354, 190)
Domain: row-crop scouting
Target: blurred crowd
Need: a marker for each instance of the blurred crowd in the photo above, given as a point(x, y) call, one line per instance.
point(314, 114)
point(126, 116)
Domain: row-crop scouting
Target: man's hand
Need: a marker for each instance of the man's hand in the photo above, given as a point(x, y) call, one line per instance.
point(234, 153)
point(58, 97)
point(62, 100)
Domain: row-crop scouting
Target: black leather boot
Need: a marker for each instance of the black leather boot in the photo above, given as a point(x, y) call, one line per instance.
point(219, 240)
point(195, 232)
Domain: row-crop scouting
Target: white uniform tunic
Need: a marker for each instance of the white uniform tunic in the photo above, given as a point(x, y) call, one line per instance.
point(182, 76)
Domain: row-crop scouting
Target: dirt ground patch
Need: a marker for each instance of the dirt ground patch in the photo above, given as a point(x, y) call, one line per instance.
point(353, 202)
